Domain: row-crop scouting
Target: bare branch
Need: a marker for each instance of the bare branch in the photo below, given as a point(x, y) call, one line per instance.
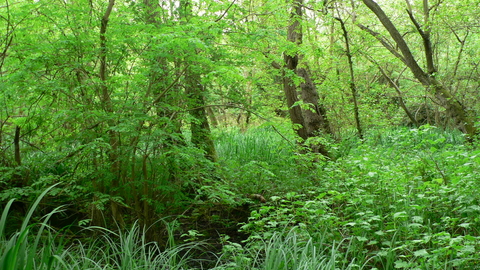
point(383, 41)
point(402, 44)
point(225, 12)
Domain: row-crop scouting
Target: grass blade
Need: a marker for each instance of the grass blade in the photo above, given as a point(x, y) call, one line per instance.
point(34, 206)
point(3, 220)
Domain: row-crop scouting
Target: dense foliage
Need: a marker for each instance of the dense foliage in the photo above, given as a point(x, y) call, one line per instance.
point(401, 199)
point(239, 134)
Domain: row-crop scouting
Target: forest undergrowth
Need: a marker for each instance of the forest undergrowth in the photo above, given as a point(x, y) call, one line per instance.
point(400, 199)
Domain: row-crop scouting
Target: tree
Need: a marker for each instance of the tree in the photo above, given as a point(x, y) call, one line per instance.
point(312, 120)
point(195, 91)
point(353, 87)
point(427, 78)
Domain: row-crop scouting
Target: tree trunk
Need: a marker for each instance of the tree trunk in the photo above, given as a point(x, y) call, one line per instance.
point(294, 35)
point(312, 121)
point(212, 117)
point(314, 115)
point(200, 128)
point(201, 135)
point(16, 144)
point(106, 101)
point(353, 87)
point(454, 108)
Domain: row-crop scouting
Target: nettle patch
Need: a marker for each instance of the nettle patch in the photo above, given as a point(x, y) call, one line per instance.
point(391, 205)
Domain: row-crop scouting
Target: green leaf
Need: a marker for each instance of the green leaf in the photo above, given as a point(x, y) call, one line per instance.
point(421, 253)
point(401, 214)
point(3, 219)
point(402, 264)
point(362, 239)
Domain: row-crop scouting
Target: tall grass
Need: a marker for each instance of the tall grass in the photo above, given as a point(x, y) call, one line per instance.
point(36, 246)
point(18, 251)
point(414, 137)
point(292, 250)
point(126, 250)
point(261, 144)
point(259, 160)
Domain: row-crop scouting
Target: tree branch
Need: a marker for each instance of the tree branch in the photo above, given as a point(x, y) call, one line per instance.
point(427, 44)
point(397, 89)
point(383, 41)
point(225, 12)
point(398, 38)
point(103, 54)
point(157, 99)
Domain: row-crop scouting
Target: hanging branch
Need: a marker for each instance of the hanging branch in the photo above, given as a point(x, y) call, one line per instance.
point(8, 37)
point(398, 38)
point(383, 41)
point(427, 43)
point(462, 47)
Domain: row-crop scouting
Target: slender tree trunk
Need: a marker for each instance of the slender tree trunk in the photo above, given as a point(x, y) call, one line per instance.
point(3, 160)
point(18, 179)
point(353, 87)
point(16, 144)
point(146, 193)
point(106, 100)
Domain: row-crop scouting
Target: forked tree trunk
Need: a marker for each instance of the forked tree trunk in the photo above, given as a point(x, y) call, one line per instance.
point(312, 120)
